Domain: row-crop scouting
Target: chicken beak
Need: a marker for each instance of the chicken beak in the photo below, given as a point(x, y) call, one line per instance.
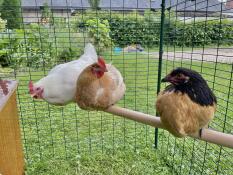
point(163, 80)
point(166, 79)
point(33, 95)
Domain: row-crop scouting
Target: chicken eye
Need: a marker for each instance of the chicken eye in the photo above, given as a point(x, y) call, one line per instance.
point(179, 75)
point(38, 89)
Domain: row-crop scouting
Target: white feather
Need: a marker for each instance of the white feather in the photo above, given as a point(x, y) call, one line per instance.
point(60, 83)
point(99, 93)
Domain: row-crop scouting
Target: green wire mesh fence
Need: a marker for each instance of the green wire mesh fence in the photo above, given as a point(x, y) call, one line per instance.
point(196, 34)
point(199, 37)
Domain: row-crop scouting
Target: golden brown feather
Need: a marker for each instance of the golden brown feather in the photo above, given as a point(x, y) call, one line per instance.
point(180, 115)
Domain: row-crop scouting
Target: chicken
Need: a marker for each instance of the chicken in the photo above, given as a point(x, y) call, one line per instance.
point(187, 104)
point(59, 86)
point(99, 86)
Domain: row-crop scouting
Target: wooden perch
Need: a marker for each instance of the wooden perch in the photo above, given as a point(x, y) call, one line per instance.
point(207, 134)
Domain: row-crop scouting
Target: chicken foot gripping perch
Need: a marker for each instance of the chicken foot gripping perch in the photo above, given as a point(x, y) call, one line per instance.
point(187, 105)
point(99, 86)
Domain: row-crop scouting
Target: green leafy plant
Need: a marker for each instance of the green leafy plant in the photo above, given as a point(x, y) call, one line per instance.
point(28, 47)
point(99, 31)
point(37, 45)
point(66, 55)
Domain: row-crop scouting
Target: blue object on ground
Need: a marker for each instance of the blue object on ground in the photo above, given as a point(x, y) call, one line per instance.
point(117, 50)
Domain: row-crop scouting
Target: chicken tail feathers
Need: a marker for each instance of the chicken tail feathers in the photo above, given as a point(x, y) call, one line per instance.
point(90, 50)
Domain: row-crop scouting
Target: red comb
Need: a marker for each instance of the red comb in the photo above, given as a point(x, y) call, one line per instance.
point(30, 86)
point(101, 62)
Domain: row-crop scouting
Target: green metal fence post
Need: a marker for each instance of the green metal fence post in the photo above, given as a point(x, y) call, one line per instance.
point(160, 59)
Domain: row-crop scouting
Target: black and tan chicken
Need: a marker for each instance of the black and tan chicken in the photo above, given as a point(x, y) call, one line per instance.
point(186, 105)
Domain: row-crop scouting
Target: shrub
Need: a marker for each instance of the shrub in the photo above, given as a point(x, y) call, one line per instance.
point(135, 28)
point(8, 43)
point(10, 11)
point(35, 48)
point(27, 47)
point(130, 28)
point(37, 45)
point(2, 24)
point(202, 33)
point(221, 32)
point(66, 55)
point(99, 30)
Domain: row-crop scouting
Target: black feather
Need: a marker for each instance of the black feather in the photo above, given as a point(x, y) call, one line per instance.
point(196, 88)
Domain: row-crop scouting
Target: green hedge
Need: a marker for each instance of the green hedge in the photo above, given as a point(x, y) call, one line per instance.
point(135, 28)
point(133, 31)
point(125, 28)
point(202, 33)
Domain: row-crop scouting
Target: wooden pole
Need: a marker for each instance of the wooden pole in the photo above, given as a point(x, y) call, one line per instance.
point(208, 135)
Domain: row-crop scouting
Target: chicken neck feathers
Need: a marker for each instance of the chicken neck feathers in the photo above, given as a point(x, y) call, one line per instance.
point(198, 93)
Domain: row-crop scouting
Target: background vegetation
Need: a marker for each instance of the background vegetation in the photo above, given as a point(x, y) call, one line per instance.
point(11, 12)
point(41, 42)
point(141, 29)
point(72, 141)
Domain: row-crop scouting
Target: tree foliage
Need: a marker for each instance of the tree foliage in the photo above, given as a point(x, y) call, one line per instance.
point(94, 4)
point(46, 14)
point(99, 31)
point(11, 11)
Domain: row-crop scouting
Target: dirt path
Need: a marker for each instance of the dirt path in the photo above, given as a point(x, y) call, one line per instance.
point(223, 55)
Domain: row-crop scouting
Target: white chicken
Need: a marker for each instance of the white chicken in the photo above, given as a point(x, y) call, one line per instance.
point(59, 86)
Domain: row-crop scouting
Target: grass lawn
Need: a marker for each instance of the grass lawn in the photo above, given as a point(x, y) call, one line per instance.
point(72, 141)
